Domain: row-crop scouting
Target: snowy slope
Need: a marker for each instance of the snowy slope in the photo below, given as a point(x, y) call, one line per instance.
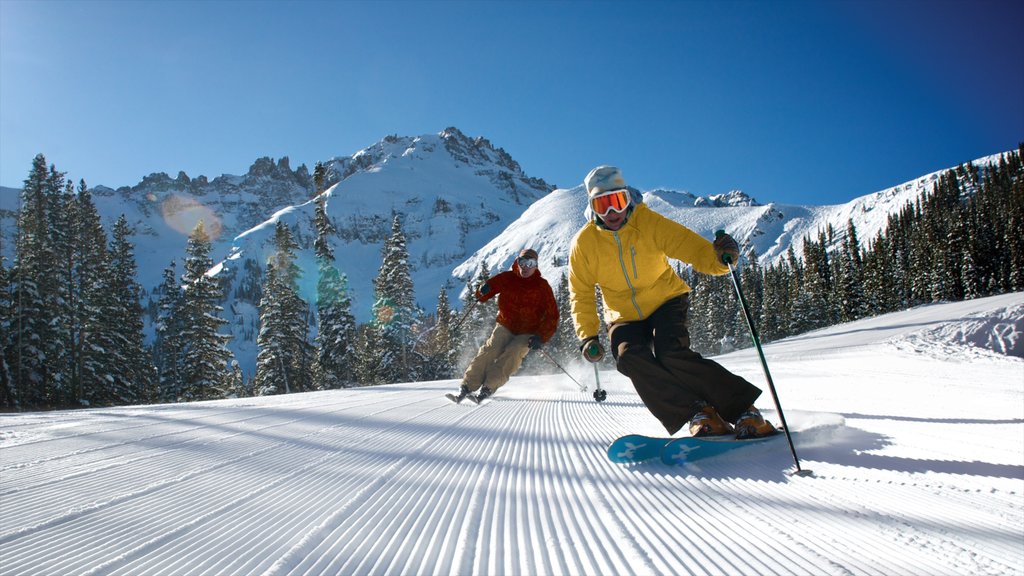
point(915, 436)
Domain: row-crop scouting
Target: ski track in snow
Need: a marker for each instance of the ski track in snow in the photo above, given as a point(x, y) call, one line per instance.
point(398, 480)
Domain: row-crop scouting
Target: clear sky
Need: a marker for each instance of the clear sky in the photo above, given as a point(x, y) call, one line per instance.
point(790, 101)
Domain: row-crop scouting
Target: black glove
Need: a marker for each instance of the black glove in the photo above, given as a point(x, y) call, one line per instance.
point(483, 291)
point(592, 350)
point(535, 342)
point(726, 247)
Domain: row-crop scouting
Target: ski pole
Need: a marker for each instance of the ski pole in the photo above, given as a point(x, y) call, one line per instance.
point(599, 394)
point(764, 363)
point(555, 362)
point(465, 314)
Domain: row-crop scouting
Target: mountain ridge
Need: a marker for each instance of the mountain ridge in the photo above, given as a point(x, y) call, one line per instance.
point(463, 203)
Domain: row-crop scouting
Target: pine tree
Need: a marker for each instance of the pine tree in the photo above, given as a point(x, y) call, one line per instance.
point(850, 277)
point(96, 335)
point(564, 346)
point(754, 291)
point(281, 364)
point(134, 372)
point(63, 223)
point(169, 345)
point(34, 277)
point(394, 311)
point(436, 346)
point(205, 371)
point(7, 389)
point(336, 325)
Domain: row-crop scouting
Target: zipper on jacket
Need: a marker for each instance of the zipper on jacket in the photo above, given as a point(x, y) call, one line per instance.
point(625, 272)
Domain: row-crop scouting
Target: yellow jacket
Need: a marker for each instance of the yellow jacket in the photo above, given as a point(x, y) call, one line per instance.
point(631, 267)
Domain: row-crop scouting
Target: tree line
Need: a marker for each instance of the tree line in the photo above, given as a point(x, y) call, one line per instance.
point(959, 240)
point(71, 317)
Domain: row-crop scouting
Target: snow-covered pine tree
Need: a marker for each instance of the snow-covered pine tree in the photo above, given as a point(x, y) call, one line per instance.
point(284, 360)
point(775, 304)
point(752, 278)
point(35, 280)
point(394, 310)
point(63, 226)
point(879, 286)
point(7, 391)
point(336, 331)
point(134, 373)
point(169, 345)
point(849, 276)
point(436, 349)
point(564, 346)
point(205, 370)
point(95, 331)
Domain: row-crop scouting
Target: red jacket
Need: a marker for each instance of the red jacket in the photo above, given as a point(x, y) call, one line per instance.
point(526, 305)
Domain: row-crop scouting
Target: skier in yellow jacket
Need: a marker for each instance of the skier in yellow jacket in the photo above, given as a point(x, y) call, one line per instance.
point(624, 249)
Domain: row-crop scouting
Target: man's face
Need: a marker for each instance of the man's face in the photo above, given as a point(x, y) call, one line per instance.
point(614, 220)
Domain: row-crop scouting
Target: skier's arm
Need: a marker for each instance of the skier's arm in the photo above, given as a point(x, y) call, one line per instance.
point(492, 287)
point(681, 243)
point(582, 295)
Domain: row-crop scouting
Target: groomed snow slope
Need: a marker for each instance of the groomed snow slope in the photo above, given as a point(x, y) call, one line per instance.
point(916, 445)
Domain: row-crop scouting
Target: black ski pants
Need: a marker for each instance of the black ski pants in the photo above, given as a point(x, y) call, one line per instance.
point(670, 377)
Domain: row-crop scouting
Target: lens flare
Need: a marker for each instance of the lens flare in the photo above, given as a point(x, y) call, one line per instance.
point(182, 214)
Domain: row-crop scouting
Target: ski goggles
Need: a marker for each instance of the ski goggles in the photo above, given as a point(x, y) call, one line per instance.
point(617, 200)
point(527, 262)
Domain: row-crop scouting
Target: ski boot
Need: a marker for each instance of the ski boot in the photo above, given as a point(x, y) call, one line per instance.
point(463, 394)
point(707, 422)
point(750, 424)
point(483, 394)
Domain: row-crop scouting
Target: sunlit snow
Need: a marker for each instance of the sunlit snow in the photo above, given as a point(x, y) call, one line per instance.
point(913, 430)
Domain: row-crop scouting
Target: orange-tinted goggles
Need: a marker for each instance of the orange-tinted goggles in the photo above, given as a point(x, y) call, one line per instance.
point(617, 200)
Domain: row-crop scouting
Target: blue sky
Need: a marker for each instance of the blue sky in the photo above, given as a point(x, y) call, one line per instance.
point(793, 101)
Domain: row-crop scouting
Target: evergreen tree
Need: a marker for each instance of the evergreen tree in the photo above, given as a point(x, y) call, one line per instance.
point(394, 310)
point(205, 373)
point(564, 345)
point(336, 324)
point(850, 277)
point(437, 348)
point(134, 373)
point(7, 390)
point(281, 363)
point(96, 334)
point(753, 289)
point(35, 280)
point(169, 345)
point(62, 224)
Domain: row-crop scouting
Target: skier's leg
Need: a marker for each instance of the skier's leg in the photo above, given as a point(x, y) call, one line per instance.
point(730, 394)
point(631, 347)
point(508, 361)
point(477, 370)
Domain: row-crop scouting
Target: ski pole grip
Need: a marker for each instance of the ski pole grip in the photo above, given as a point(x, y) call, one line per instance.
point(725, 257)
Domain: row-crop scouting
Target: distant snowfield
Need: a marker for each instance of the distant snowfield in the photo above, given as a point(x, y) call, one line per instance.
point(912, 423)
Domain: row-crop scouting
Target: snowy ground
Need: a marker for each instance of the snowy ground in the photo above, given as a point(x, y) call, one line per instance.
point(915, 436)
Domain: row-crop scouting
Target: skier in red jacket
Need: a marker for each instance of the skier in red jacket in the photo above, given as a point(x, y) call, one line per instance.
point(527, 318)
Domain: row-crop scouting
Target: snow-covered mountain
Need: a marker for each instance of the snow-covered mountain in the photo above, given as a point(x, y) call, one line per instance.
point(770, 229)
point(912, 424)
point(462, 202)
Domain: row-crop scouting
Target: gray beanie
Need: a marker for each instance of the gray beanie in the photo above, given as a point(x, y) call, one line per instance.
point(603, 179)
